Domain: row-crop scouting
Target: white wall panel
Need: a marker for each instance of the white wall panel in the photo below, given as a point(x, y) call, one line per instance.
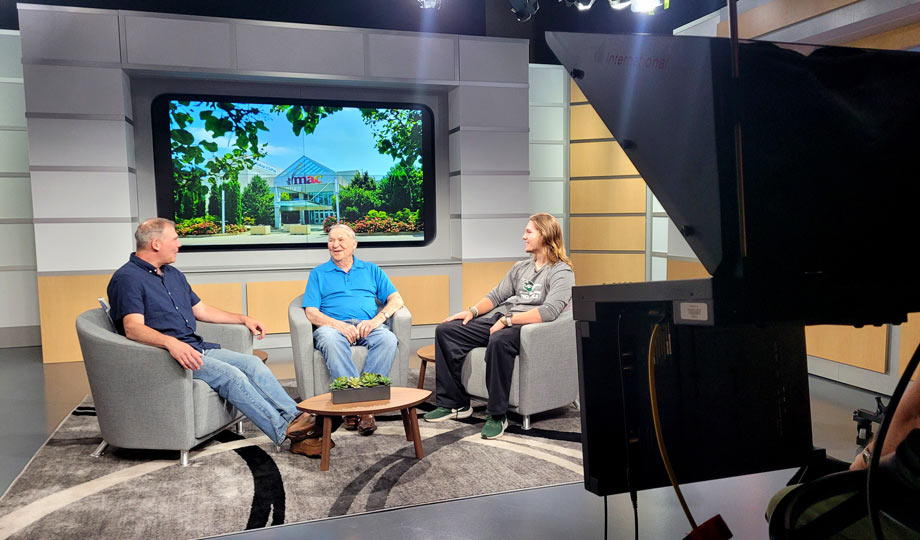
point(407, 56)
point(677, 245)
point(547, 197)
point(456, 238)
point(59, 194)
point(492, 151)
point(659, 268)
point(660, 234)
point(493, 238)
point(14, 151)
point(493, 60)
point(656, 204)
point(75, 247)
point(79, 143)
point(548, 84)
point(492, 106)
point(299, 50)
point(454, 142)
point(547, 161)
point(455, 206)
point(67, 35)
point(10, 55)
point(16, 245)
point(15, 198)
point(13, 108)
point(19, 291)
point(494, 194)
point(547, 124)
point(75, 90)
point(175, 42)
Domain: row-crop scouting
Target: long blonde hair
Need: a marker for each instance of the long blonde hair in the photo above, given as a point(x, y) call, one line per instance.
point(551, 233)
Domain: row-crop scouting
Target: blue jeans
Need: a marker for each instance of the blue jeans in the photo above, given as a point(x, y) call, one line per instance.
point(248, 384)
point(381, 350)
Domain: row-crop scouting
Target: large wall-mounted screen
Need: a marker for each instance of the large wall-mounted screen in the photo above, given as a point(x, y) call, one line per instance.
point(253, 173)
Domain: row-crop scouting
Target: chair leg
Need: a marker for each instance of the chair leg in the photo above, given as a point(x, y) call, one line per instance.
point(97, 453)
point(577, 404)
point(239, 427)
point(526, 424)
point(183, 458)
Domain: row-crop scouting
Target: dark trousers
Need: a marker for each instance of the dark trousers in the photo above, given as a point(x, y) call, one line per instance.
point(453, 340)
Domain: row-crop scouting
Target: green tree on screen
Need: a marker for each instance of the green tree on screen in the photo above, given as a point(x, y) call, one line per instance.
point(258, 202)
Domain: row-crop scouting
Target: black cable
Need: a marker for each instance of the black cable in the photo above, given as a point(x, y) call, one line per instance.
point(636, 517)
point(880, 443)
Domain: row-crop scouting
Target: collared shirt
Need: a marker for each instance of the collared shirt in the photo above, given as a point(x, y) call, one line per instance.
point(347, 295)
point(164, 300)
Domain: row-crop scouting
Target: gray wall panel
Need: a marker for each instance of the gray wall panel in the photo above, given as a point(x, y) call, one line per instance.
point(299, 50)
point(492, 151)
point(15, 199)
point(408, 56)
point(60, 194)
point(13, 108)
point(68, 35)
point(492, 106)
point(502, 61)
point(80, 247)
point(19, 291)
point(80, 143)
point(176, 42)
point(494, 194)
point(10, 54)
point(14, 152)
point(548, 197)
point(16, 245)
point(494, 238)
point(74, 90)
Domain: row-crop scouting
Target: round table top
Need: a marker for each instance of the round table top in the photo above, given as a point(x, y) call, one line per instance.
point(400, 398)
point(426, 353)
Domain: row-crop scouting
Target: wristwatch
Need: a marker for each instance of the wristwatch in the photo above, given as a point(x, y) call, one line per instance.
point(386, 315)
point(506, 320)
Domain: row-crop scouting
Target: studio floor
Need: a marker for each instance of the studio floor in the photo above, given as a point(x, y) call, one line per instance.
point(36, 397)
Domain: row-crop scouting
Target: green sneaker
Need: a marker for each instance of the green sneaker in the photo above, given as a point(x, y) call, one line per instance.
point(495, 427)
point(443, 413)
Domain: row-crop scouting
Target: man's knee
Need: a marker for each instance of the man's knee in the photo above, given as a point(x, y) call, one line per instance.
point(449, 328)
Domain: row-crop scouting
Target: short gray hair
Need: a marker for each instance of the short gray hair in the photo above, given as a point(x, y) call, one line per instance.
point(150, 230)
point(348, 230)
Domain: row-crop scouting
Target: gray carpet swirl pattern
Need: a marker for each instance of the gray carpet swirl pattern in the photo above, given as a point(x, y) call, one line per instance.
point(241, 482)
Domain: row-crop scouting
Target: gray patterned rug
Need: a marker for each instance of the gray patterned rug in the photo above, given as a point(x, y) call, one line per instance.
point(240, 482)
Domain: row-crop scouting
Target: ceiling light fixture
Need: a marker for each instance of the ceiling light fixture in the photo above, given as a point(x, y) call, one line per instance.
point(524, 9)
point(645, 6)
point(429, 4)
point(619, 4)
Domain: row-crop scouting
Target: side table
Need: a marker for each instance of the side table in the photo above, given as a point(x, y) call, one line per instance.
point(425, 354)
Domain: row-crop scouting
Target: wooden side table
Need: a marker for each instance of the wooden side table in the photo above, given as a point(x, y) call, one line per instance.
point(263, 356)
point(402, 399)
point(425, 354)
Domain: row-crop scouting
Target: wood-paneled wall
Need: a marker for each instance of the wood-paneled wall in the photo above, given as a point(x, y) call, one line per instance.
point(778, 14)
point(61, 299)
point(860, 347)
point(481, 277)
point(678, 269)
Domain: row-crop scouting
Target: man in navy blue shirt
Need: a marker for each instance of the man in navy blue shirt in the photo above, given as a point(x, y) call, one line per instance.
point(153, 303)
point(341, 302)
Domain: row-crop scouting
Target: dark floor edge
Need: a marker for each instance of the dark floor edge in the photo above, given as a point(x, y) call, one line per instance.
point(383, 510)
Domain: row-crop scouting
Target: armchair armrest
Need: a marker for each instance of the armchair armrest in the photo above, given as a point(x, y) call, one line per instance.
point(301, 346)
point(549, 371)
point(235, 337)
point(401, 326)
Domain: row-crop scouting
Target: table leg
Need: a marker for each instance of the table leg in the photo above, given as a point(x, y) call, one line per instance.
point(421, 373)
point(327, 443)
point(406, 425)
point(416, 438)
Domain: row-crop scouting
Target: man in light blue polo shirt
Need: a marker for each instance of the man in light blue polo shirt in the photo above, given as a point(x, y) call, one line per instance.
point(341, 302)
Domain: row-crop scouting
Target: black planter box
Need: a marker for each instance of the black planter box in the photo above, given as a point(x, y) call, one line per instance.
point(352, 395)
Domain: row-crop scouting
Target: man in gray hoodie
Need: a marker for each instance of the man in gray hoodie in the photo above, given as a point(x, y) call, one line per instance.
point(535, 290)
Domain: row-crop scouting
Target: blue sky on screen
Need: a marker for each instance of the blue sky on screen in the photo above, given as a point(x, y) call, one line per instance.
point(341, 141)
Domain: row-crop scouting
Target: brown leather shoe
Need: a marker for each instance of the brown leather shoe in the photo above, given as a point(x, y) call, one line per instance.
point(366, 424)
point(304, 426)
point(310, 447)
point(350, 422)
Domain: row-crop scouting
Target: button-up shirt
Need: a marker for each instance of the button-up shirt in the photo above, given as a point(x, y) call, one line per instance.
point(164, 299)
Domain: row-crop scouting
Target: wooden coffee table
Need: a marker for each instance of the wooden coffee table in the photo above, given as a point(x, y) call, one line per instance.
point(402, 399)
point(425, 354)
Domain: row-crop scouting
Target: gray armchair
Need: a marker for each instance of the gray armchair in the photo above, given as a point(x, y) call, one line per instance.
point(310, 366)
point(144, 398)
point(545, 373)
